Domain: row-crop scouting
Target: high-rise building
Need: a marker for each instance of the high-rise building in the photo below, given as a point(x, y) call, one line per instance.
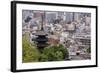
point(69, 17)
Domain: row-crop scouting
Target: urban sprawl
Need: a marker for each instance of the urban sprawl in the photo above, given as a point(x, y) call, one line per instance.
point(72, 29)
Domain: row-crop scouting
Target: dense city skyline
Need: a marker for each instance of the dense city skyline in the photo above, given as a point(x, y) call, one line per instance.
point(71, 29)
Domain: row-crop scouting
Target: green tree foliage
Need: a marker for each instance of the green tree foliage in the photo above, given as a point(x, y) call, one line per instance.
point(89, 50)
point(29, 52)
point(54, 53)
